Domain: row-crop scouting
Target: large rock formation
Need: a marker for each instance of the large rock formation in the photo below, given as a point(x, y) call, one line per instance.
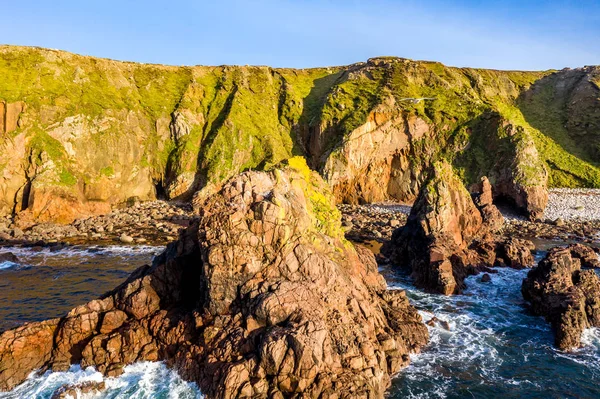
point(565, 290)
point(261, 297)
point(447, 237)
point(516, 169)
point(79, 134)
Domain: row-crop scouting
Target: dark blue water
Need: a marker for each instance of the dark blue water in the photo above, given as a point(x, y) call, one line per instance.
point(47, 284)
point(492, 347)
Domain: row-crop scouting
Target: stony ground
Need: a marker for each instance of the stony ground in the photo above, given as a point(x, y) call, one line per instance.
point(155, 222)
point(572, 214)
point(373, 221)
point(570, 204)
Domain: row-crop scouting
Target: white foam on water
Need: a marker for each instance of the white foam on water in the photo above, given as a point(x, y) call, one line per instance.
point(588, 354)
point(144, 380)
point(29, 257)
point(8, 265)
point(467, 335)
point(78, 251)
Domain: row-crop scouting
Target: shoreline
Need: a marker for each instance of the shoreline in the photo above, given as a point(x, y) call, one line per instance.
point(570, 214)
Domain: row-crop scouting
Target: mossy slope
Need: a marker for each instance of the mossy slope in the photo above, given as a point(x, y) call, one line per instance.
point(110, 130)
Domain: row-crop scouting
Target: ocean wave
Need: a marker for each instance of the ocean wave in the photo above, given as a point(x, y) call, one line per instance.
point(8, 265)
point(144, 380)
point(81, 250)
point(484, 342)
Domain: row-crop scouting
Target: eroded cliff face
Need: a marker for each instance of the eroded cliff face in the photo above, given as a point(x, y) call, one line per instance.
point(376, 161)
point(262, 297)
point(80, 134)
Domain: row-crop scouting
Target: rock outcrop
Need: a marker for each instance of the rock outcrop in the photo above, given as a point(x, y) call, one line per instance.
point(80, 134)
point(447, 237)
point(565, 289)
point(516, 171)
point(262, 297)
point(9, 116)
point(380, 159)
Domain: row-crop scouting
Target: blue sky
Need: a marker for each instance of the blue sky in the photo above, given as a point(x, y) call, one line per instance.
point(507, 34)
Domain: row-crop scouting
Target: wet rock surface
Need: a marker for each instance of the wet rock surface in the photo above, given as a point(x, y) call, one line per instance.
point(90, 388)
point(565, 289)
point(262, 296)
point(8, 257)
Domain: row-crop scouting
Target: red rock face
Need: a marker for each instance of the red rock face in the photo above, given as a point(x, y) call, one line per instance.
point(9, 115)
point(258, 298)
point(565, 290)
point(448, 236)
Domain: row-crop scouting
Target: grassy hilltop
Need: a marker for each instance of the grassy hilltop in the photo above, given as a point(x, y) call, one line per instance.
point(95, 130)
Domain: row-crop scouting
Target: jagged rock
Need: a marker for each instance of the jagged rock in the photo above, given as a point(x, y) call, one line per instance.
point(484, 201)
point(447, 237)
point(515, 253)
point(516, 170)
point(442, 224)
point(262, 297)
point(566, 291)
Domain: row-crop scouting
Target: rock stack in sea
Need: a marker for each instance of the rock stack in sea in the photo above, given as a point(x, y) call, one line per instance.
point(260, 297)
point(449, 236)
point(565, 289)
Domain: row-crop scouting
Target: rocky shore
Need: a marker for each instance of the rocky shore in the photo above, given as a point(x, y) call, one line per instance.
point(151, 222)
point(572, 214)
point(565, 289)
point(262, 296)
point(573, 204)
point(373, 221)
point(268, 298)
point(376, 222)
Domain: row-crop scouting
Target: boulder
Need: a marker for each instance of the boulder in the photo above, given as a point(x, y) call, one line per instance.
point(262, 296)
point(87, 388)
point(8, 257)
point(566, 291)
point(515, 253)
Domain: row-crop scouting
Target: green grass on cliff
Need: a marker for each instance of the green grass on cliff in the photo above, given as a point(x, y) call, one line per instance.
point(44, 148)
point(327, 217)
point(254, 117)
point(85, 85)
point(566, 169)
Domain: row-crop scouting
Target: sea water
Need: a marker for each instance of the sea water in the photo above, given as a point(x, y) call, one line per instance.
point(485, 345)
